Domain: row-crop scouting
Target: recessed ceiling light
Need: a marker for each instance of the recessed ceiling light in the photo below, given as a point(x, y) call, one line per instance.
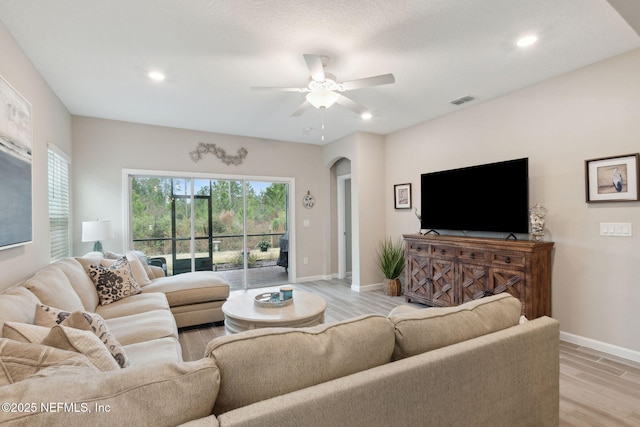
point(156, 76)
point(366, 115)
point(527, 41)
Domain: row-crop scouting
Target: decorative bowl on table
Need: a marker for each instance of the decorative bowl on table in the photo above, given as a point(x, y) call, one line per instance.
point(271, 300)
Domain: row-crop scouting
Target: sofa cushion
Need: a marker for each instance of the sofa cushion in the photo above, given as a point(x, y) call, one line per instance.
point(143, 326)
point(114, 282)
point(25, 332)
point(159, 395)
point(80, 280)
point(19, 361)
point(262, 363)
point(17, 305)
point(203, 286)
point(53, 288)
point(160, 350)
point(418, 331)
point(135, 304)
point(84, 342)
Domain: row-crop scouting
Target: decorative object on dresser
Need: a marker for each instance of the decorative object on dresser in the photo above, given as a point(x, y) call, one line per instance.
point(445, 271)
point(537, 215)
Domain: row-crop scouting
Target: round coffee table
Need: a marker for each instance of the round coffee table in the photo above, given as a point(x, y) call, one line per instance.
point(241, 314)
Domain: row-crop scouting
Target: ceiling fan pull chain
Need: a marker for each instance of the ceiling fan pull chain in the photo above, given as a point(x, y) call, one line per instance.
point(322, 128)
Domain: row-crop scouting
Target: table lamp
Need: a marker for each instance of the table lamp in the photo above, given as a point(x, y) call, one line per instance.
point(95, 231)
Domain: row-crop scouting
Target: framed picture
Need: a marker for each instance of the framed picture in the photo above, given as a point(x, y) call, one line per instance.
point(402, 196)
point(612, 179)
point(16, 226)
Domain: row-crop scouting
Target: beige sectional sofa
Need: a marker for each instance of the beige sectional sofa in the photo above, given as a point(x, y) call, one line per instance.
point(194, 298)
point(468, 365)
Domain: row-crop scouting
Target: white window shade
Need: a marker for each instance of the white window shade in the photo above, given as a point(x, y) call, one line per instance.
point(59, 204)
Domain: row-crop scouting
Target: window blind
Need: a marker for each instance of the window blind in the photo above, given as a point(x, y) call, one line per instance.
point(59, 205)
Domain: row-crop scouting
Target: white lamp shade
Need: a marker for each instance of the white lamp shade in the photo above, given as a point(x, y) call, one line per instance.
point(322, 98)
point(93, 231)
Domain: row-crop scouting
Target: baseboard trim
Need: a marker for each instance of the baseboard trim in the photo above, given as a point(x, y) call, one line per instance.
point(312, 278)
point(366, 288)
point(611, 349)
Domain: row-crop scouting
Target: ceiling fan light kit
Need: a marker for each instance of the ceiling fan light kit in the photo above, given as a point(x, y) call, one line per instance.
point(322, 98)
point(324, 89)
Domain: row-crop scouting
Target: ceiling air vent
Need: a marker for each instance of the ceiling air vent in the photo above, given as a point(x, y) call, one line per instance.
point(462, 100)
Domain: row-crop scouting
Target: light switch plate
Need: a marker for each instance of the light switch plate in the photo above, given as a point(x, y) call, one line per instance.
point(616, 229)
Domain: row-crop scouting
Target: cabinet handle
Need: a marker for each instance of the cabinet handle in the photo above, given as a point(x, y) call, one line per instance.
point(507, 260)
point(442, 252)
point(472, 255)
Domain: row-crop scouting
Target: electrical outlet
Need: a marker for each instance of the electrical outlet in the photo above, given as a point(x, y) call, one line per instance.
point(306, 260)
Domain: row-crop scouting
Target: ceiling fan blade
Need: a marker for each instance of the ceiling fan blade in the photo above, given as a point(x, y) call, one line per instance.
point(280, 89)
point(298, 111)
point(314, 62)
point(383, 79)
point(350, 104)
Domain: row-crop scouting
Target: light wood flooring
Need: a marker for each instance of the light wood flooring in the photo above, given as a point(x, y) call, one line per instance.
point(596, 389)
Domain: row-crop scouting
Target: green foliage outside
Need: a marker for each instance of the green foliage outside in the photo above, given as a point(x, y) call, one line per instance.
point(151, 202)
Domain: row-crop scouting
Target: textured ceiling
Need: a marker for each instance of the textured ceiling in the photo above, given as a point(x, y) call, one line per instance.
point(95, 55)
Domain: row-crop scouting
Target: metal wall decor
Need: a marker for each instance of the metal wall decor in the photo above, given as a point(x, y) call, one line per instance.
point(220, 153)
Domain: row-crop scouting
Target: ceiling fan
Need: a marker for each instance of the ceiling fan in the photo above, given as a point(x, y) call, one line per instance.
point(324, 89)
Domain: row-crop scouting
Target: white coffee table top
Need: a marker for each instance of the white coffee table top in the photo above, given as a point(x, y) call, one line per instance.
point(241, 313)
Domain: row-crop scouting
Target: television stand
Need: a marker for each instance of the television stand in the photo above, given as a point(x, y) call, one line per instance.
point(430, 232)
point(511, 235)
point(443, 271)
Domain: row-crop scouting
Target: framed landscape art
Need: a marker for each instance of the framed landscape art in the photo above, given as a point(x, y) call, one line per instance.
point(612, 179)
point(16, 222)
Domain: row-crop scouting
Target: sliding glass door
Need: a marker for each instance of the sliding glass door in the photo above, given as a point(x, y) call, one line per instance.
point(234, 226)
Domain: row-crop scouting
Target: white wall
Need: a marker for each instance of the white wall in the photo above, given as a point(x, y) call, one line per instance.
point(366, 152)
point(103, 148)
point(558, 124)
point(51, 125)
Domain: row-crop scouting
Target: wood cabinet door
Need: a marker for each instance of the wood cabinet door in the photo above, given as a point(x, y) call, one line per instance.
point(442, 275)
point(418, 281)
point(511, 281)
point(474, 282)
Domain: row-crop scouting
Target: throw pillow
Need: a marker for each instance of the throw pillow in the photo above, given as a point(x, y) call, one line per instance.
point(24, 332)
point(145, 263)
point(49, 316)
point(114, 282)
point(137, 269)
point(19, 361)
point(95, 323)
point(111, 255)
point(85, 342)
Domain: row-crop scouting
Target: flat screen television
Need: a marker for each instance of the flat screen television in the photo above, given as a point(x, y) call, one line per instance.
point(492, 197)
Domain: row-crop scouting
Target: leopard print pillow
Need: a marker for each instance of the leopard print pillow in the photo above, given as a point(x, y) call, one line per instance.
point(114, 282)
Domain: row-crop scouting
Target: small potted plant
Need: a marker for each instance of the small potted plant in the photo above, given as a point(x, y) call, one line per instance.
point(391, 263)
point(263, 245)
